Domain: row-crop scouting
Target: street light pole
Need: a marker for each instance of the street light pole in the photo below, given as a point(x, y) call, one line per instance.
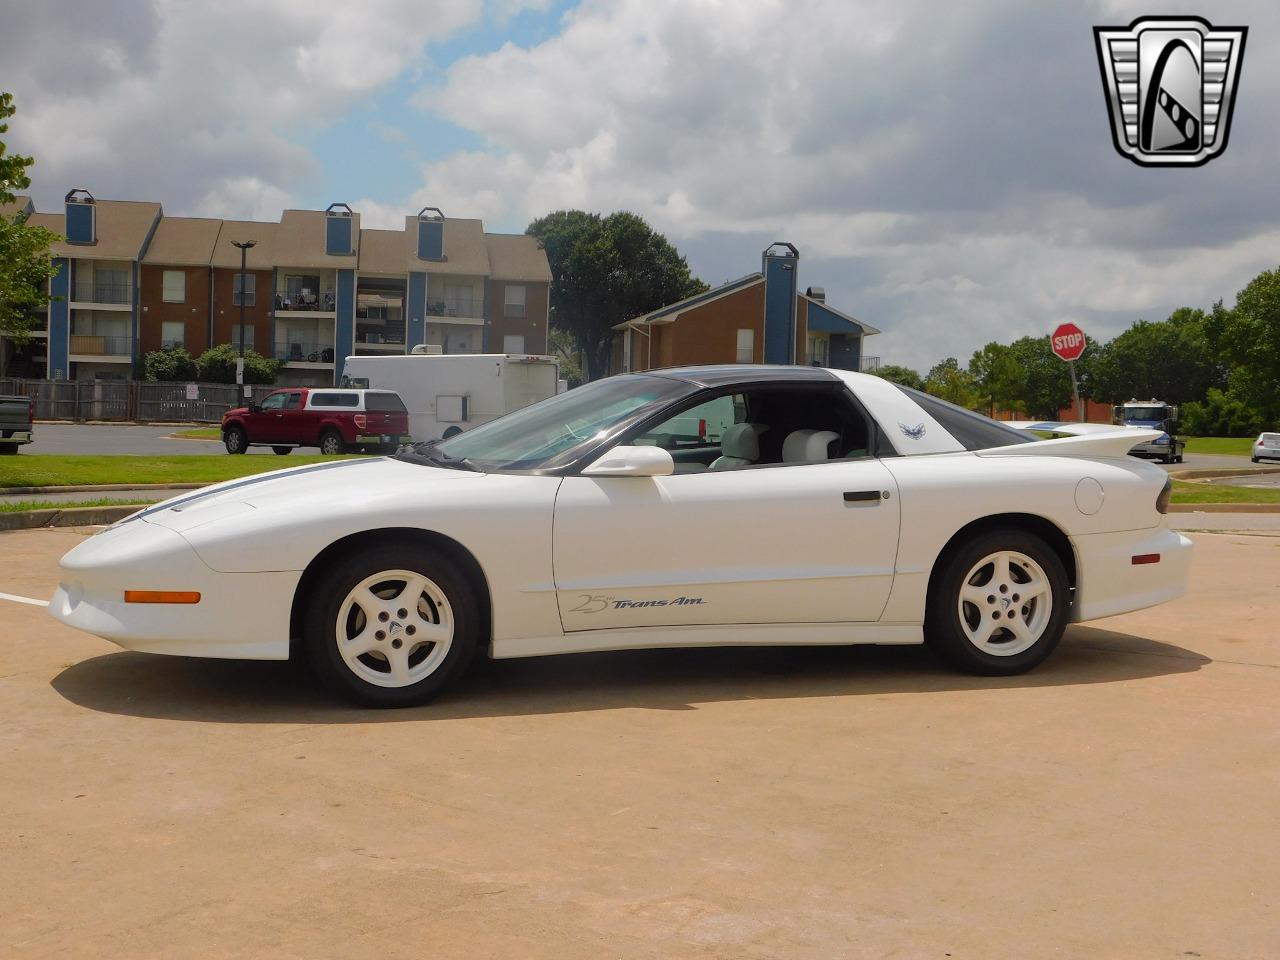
point(244, 248)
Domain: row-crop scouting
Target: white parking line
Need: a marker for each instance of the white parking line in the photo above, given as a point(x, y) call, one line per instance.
point(30, 600)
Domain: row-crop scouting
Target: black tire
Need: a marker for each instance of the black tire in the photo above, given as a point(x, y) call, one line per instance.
point(947, 635)
point(235, 440)
point(324, 619)
point(282, 451)
point(331, 443)
point(1253, 459)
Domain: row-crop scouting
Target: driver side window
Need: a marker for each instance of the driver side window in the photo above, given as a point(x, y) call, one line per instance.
point(274, 402)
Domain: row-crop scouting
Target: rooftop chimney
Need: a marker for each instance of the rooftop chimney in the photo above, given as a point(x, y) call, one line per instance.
point(82, 217)
point(780, 263)
point(430, 234)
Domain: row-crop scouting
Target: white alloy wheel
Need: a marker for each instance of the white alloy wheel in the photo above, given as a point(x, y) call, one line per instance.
point(1005, 603)
point(394, 628)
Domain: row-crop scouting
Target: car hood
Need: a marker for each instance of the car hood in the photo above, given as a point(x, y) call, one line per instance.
point(318, 490)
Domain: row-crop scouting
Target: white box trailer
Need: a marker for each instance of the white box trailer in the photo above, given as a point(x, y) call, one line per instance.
point(449, 393)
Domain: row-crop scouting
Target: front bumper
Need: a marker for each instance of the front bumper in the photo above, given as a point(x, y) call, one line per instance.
point(15, 436)
point(1109, 583)
point(240, 615)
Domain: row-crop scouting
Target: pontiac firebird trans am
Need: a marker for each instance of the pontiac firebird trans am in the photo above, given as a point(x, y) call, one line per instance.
point(688, 507)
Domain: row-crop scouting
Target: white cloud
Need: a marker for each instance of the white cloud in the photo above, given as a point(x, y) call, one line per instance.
point(203, 105)
point(946, 167)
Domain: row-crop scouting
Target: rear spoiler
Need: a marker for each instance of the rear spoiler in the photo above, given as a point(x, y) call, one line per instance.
point(1113, 442)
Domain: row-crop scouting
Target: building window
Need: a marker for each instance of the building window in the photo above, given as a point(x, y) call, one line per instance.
point(248, 333)
point(513, 343)
point(746, 346)
point(175, 286)
point(513, 302)
point(246, 287)
point(173, 334)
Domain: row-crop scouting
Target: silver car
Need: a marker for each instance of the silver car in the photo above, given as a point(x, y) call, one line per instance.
point(1266, 447)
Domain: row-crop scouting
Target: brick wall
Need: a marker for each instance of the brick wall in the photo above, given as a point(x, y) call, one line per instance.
point(193, 311)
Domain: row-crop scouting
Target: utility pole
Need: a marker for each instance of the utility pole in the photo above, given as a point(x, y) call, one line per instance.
point(244, 248)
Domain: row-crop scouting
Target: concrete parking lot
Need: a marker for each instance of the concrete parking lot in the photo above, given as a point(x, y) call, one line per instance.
point(812, 803)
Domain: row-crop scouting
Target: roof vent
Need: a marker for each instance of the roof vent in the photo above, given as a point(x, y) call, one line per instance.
point(338, 210)
point(816, 293)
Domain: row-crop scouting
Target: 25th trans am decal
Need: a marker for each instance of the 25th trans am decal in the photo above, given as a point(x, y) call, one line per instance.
point(596, 604)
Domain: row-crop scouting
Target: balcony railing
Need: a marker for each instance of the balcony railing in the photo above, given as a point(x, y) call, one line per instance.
point(869, 364)
point(322, 301)
point(455, 307)
point(297, 352)
point(173, 344)
point(377, 336)
point(104, 291)
point(95, 346)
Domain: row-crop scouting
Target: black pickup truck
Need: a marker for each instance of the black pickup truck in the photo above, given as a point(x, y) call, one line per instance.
point(16, 414)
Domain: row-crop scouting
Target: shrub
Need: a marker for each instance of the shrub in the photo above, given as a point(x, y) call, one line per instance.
point(218, 365)
point(172, 364)
point(1220, 415)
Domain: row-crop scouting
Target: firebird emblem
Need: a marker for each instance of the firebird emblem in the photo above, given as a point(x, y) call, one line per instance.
point(915, 433)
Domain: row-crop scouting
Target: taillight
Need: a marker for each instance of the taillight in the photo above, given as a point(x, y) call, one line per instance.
point(702, 429)
point(361, 420)
point(1166, 494)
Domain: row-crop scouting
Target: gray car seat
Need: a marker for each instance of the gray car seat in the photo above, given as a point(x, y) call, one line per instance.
point(805, 446)
point(739, 447)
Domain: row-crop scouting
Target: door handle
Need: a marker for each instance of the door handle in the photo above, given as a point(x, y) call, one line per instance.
point(861, 496)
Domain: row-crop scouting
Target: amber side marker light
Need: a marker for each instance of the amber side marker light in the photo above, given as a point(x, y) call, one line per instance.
point(161, 596)
point(1145, 558)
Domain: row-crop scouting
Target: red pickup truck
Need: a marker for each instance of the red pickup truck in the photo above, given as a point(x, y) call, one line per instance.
point(334, 420)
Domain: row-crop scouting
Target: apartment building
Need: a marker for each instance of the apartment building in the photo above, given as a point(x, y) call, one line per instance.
point(316, 288)
point(759, 318)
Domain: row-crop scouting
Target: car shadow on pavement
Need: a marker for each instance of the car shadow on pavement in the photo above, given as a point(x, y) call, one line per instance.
point(229, 691)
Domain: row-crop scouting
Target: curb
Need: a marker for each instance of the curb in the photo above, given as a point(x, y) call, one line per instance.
point(1224, 508)
point(1215, 473)
point(103, 487)
point(69, 517)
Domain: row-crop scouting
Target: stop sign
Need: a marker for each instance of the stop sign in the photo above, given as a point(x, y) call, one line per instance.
point(1067, 342)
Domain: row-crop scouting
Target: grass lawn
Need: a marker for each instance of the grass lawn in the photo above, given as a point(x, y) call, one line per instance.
point(1220, 446)
point(199, 433)
point(1186, 492)
point(22, 505)
point(60, 470)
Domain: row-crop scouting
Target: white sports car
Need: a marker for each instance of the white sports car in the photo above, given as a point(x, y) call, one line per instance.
point(689, 507)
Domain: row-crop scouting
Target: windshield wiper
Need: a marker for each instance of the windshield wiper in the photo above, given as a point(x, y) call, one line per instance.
point(426, 453)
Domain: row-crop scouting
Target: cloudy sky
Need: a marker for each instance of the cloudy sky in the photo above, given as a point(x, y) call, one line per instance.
point(946, 169)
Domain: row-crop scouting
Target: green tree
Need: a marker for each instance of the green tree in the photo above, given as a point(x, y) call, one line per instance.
point(564, 349)
point(1047, 386)
point(998, 379)
point(1170, 360)
point(606, 270)
point(25, 265)
point(172, 365)
point(901, 375)
point(218, 365)
point(1251, 343)
point(951, 383)
point(1221, 415)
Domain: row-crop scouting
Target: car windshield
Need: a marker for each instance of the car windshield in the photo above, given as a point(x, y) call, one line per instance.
point(1153, 414)
point(549, 433)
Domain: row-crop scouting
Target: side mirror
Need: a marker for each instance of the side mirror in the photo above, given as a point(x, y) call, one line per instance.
point(255, 407)
point(633, 462)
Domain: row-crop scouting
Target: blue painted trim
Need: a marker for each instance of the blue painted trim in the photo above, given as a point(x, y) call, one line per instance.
point(430, 239)
point(345, 325)
point(135, 346)
point(824, 320)
point(780, 282)
point(59, 367)
point(81, 223)
point(337, 236)
point(416, 319)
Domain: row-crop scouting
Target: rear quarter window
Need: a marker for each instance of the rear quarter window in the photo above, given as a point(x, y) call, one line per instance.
point(972, 430)
point(351, 400)
point(384, 403)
